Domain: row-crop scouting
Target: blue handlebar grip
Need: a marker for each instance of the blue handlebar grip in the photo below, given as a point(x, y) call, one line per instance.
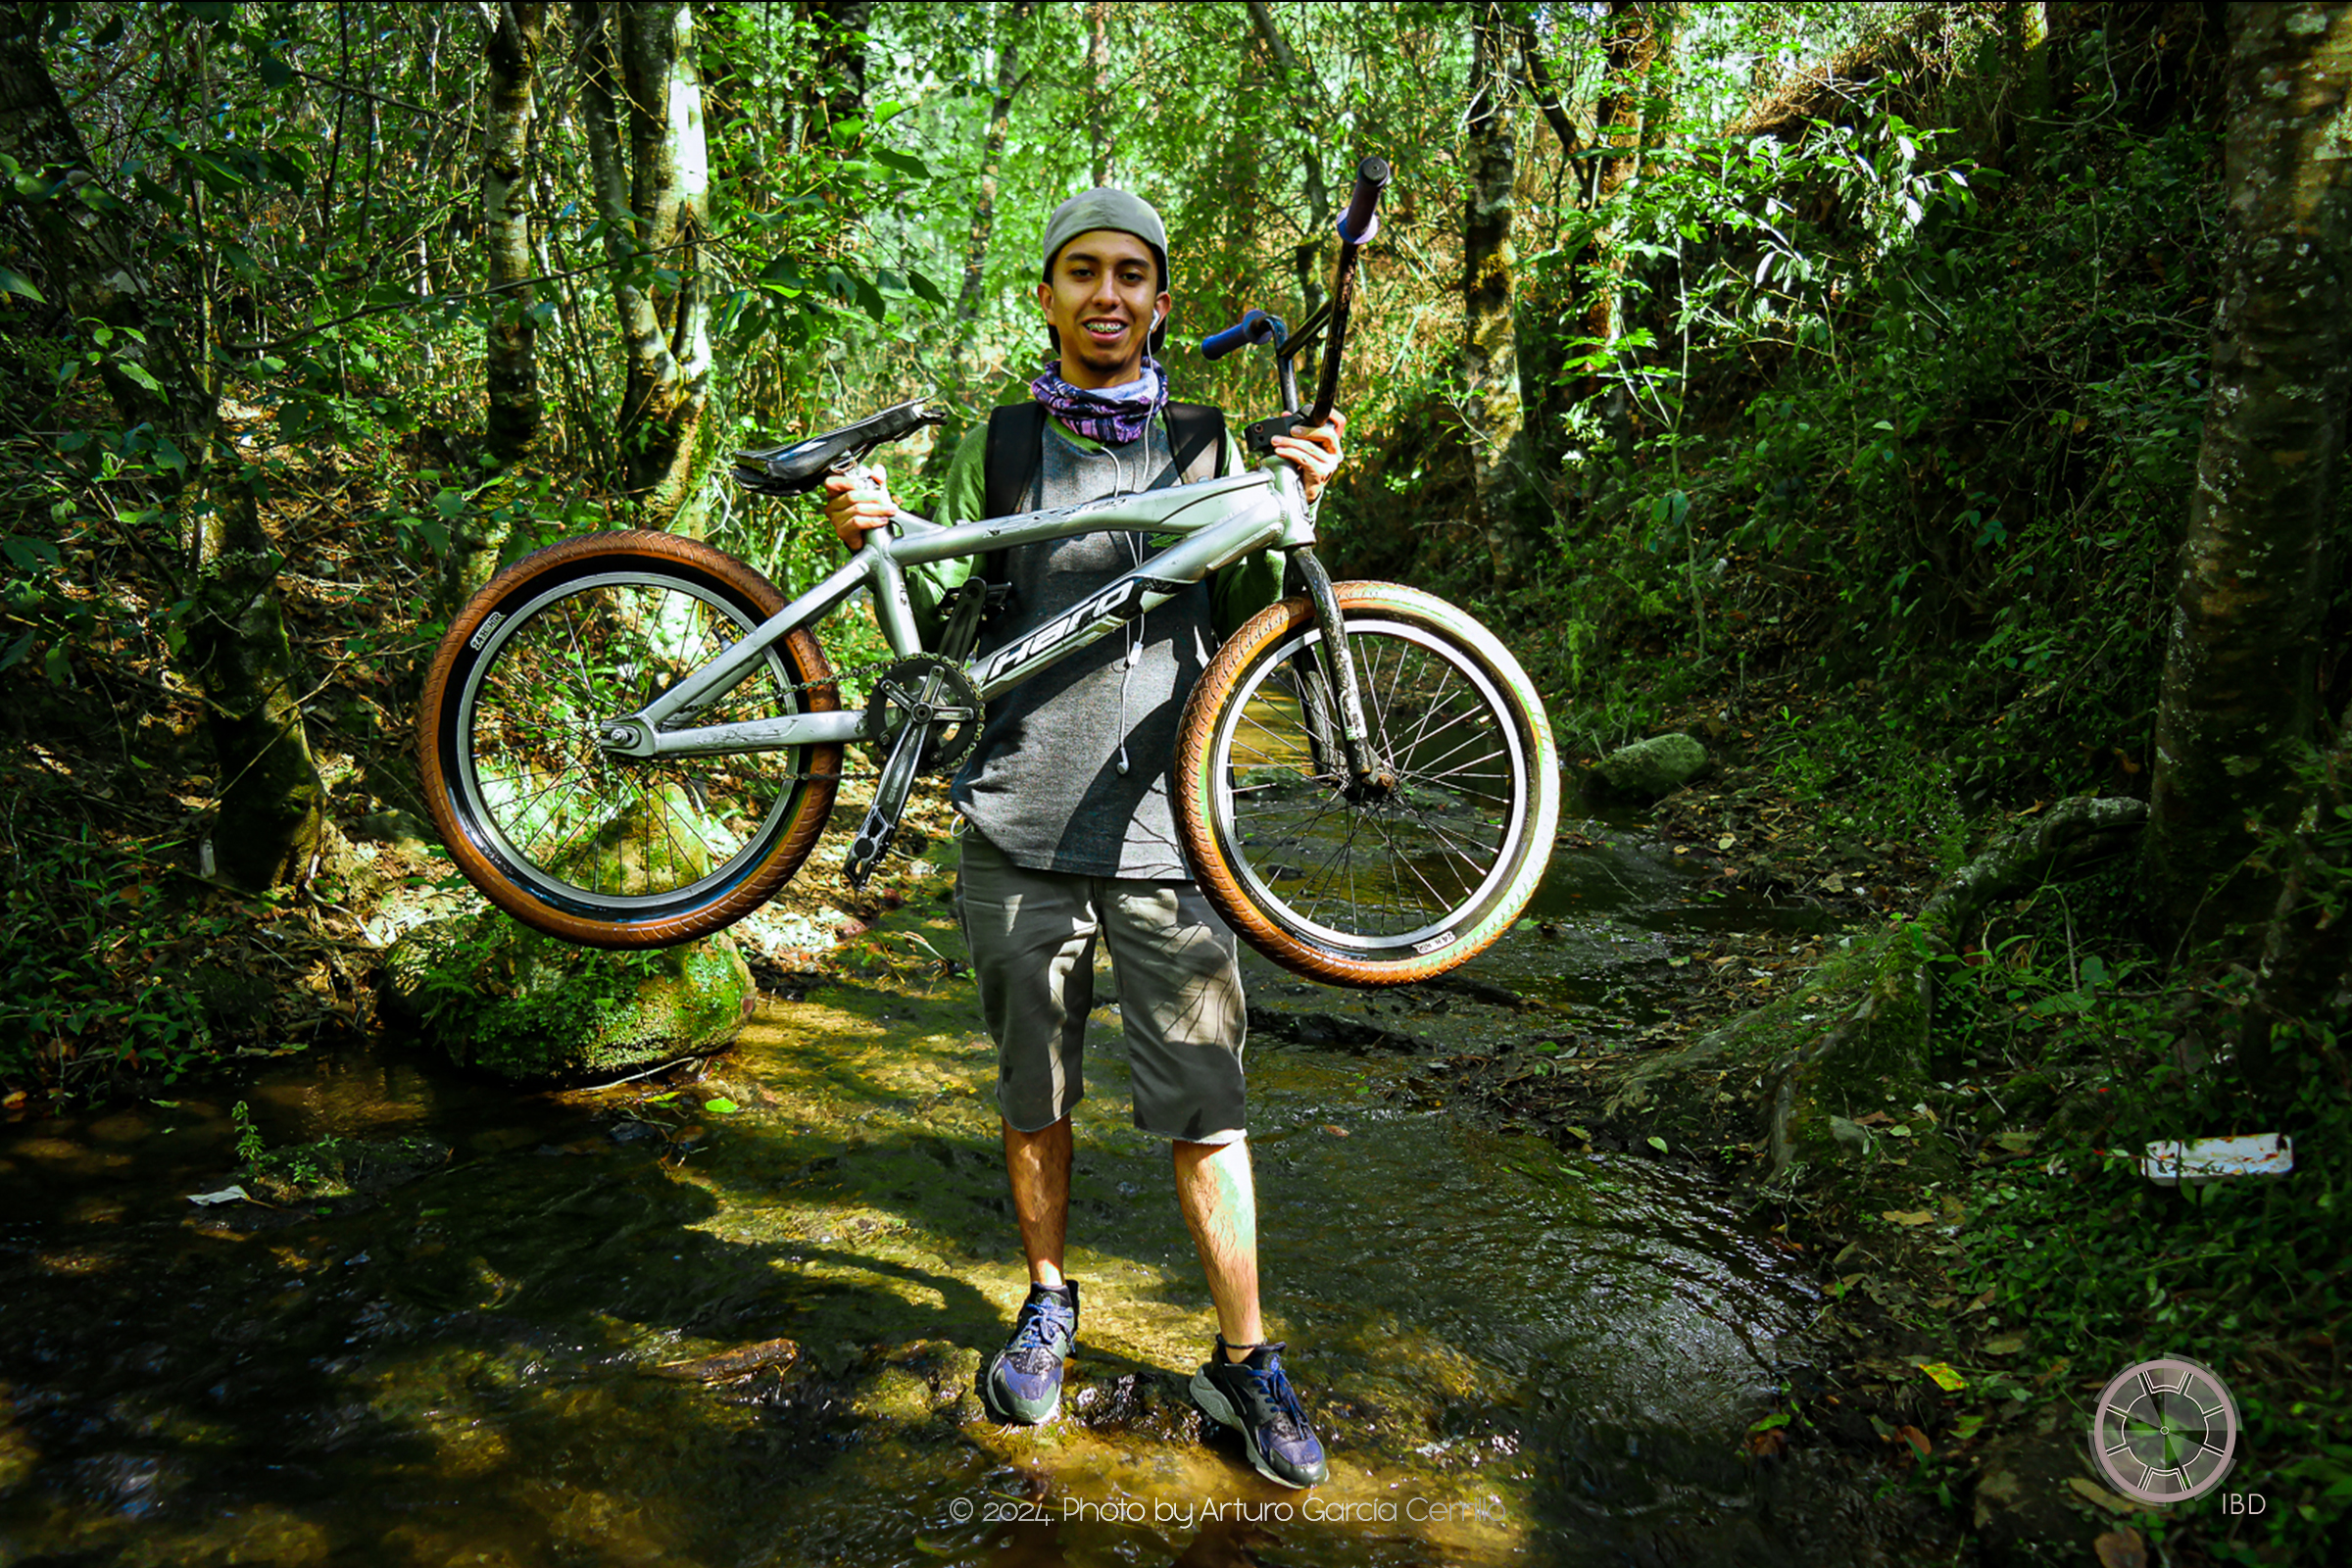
point(1254, 327)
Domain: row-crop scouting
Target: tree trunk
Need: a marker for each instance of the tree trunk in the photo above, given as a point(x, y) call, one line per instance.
point(2235, 716)
point(840, 85)
point(656, 213)
point(1101, 123)
point(1547, 301)
point(511, 341)
point(1009, 80)
point(1490, 409)
point(511, 346)
point(236, 649)
point(1309, 256)
point(1639, 33)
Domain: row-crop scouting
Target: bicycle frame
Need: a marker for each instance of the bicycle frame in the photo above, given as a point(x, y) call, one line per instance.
point(1216, 521)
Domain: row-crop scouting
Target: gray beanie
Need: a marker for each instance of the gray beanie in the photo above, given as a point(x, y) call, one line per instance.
point(1106, 207)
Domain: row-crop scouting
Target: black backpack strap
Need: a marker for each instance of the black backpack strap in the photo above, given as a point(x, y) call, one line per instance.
point(1016, 436)
point(1192, 430)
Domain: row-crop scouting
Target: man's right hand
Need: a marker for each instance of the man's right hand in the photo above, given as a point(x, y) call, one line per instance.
point(857, 504)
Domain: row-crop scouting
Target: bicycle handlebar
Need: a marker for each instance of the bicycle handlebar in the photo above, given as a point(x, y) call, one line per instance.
point(1356, 226)
point(1255, 327)
point(1362, 220)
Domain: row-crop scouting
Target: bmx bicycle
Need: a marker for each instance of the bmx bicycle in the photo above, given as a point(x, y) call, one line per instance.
point(632, 740)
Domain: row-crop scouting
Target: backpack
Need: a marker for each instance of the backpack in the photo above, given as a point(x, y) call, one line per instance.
point(1016, 436)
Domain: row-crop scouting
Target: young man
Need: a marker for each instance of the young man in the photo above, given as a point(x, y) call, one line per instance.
point(1071, 835)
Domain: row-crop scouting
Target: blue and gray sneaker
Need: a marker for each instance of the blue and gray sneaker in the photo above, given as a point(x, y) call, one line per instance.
point(1255, 1399)
point(1023, 1384)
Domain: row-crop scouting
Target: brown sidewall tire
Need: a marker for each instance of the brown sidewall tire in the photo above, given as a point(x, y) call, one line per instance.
point(805, 816)
point(1194, 815)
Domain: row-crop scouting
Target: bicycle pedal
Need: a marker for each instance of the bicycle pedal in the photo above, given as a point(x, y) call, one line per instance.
point(867, 850)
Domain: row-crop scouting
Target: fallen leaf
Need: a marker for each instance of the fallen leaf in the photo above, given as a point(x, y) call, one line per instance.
point(226, 1195)
point(1335, 1130)
point(1912, 1216)
point(1767, 1444)
point(1967, 1427)
point(2005, 1344)
point(1726, 841)
point(1576, 1132)
point(2120, 1549)
point(1656, 1142)
point(1917, 1439)
point(2092, 1491)
point(2017, 1143)
point(1945, 1377)
point(730, 1363)
point(721, 1107)
point(1875, 1118)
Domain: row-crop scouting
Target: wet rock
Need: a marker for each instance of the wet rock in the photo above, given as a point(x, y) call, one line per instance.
point(342, 1167)
point(1648, 769)
point(494, 995)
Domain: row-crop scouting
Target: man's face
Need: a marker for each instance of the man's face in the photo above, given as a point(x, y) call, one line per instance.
point(1102, 298)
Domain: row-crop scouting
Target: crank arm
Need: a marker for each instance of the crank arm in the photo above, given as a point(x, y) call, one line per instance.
point(881, 823)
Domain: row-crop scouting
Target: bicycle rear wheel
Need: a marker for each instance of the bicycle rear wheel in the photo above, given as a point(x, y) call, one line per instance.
point(1385, 892)
point(600, 850)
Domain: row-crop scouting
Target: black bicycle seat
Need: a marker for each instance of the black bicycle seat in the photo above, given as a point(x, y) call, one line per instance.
point(787, 470)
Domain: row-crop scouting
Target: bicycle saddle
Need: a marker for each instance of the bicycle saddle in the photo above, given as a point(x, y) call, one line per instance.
point(788, 470)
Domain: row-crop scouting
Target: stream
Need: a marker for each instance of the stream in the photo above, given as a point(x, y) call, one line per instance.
point(737, 1321)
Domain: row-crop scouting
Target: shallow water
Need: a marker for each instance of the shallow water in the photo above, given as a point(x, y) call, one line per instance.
point(1514, 1354)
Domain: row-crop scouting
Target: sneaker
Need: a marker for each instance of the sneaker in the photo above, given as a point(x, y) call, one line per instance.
point(1255, 1399)
point(1021, 1385)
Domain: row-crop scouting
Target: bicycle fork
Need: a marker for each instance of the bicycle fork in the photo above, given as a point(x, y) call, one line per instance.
point(1368, 778)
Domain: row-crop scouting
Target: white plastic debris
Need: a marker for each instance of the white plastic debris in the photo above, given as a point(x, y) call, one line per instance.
point(2169, 1164)
point(226, 1195)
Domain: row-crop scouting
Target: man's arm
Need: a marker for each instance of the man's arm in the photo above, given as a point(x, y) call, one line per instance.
point(855, 512)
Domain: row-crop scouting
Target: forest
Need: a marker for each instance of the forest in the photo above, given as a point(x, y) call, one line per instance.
point(1937, 412)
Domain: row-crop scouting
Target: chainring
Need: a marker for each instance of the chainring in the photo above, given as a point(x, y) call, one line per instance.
point(939, 692)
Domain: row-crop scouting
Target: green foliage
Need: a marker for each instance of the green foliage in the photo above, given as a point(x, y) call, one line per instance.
point(94, 965)
point(2089, 1053)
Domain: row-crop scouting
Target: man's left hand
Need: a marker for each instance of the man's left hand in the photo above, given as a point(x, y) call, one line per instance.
point(1316, 452)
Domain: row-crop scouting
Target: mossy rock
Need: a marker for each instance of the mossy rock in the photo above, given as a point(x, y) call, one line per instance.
point(1851, 1040)
point(498, 996)
point(1649, 769)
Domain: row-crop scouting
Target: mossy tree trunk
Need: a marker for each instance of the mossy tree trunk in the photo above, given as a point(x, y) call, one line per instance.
point(1313, 126)
point(510, 340)
point(1010, 24)
point(2237, 715)
point(1492, 415)
point(236, 649)
point(655, 195)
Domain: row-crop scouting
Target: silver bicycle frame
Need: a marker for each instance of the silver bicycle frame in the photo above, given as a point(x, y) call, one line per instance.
point(1215, 522)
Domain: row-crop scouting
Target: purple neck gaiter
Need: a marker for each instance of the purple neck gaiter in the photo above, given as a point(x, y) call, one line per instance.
point(1113, 415)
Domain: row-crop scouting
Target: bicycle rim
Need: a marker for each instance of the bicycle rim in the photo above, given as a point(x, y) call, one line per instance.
point(594, 837)
point(1394, 878)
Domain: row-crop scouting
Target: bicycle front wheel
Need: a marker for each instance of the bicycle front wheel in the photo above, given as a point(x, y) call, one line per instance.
point(1387, 891)
point(606, 851)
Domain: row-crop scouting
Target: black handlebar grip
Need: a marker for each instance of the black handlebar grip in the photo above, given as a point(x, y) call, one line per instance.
point(1362, 220)
point(1254, 327)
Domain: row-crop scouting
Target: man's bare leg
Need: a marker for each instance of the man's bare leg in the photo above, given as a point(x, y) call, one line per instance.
point(1038, 1164)
point(1221, 1209)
